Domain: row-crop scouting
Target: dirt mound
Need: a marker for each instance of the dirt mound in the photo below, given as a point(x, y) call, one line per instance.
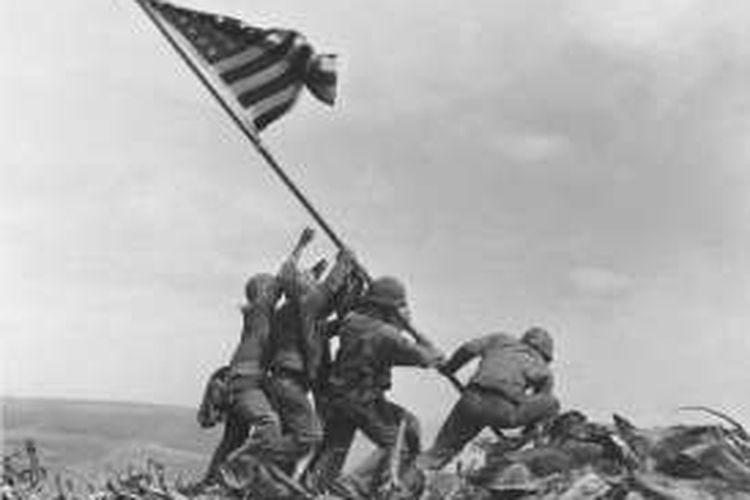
point(569, 458)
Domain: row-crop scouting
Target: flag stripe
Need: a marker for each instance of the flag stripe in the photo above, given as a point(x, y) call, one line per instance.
point(276, 99)
point(238, 38)
point(264, 70)
point(326, 78)
point(262, 121)
point(279, 84)
point(270, 57)
point(260, 78)
point(246, 56)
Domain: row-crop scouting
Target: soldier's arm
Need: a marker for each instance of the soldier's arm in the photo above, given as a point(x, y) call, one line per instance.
point(289, 273)
point(404, 352)
point(304, 239)
point(540, 379)
point(344, 265)
point(317, 302)
point(469, 351)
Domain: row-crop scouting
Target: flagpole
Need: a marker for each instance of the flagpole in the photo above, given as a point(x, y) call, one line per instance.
point(248, 132)
point(253, 137)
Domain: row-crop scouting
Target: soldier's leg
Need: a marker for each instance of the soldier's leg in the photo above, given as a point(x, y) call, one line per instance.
point(251, 405)
point(321, 404)
point(247, 469)
point(235, 433)
point(537, 408)
point(380, 421)
point(467, 418)
point(326, 466)
point(301, 428)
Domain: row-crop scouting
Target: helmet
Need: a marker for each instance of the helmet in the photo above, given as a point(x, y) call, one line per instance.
point(540, 340)
point(261, 286)
point(387, 291)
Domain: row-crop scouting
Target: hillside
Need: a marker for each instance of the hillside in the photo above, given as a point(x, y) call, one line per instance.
point(88, 435)
point(92, 436)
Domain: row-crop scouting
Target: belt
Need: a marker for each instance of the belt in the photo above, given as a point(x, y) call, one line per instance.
point(245, 368)
point(297, 376)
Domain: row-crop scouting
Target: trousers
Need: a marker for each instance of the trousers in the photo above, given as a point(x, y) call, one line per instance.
point(249, 408)
point(300, 427)
point(378, 419)
point(479, 408)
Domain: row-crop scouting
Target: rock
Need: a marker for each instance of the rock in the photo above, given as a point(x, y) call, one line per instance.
point(720, 460)
point(515, 478)
point(634, 495)
point(587, 487)
point(666, 488)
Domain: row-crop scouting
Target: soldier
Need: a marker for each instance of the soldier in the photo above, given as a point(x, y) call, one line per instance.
point(511, 388)
point(343, 302)
point(248, 405)
point(299, 347)
point(371, 343)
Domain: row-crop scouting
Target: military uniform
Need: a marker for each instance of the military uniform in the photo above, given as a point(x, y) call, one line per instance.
point(370, 345)
point(298, 349)
point(248, 405)
point(511, 388)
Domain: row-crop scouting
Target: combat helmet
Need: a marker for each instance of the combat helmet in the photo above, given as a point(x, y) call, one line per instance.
point(387, 291)
point(260, 286)
point(540, 340)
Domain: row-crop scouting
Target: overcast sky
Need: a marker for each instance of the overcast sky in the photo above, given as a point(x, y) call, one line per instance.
point(576, 164)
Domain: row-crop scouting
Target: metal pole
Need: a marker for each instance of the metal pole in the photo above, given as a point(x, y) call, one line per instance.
point(248, 132)
point(254, 139)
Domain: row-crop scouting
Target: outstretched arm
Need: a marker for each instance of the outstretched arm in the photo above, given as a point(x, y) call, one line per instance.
point(289, 272)
point(304, 239)
point(319, 300)
point(467, 352)
point(345, 264)
point(404, 352)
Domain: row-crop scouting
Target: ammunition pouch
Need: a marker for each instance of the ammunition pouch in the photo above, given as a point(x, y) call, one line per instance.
point(216, 399)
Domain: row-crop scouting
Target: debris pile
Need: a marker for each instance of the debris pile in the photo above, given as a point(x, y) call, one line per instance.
point(571, 459)
point(23, 478)
point(578, 459)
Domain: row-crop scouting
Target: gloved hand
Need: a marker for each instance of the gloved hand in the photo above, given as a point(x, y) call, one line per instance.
point(442, 366)
point(306, 237)
point(348, 255)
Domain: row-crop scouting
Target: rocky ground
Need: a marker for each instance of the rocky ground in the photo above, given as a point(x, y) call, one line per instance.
point(571, 458)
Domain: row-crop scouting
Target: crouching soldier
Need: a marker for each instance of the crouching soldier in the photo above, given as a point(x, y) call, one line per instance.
point(371, 343)
point(511, 388)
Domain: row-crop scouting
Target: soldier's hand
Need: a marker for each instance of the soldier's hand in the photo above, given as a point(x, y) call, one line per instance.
point(442, 366)
point(348, 254)
point(307, 236)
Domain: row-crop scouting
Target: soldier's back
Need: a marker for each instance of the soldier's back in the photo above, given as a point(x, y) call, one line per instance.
point(504, 364)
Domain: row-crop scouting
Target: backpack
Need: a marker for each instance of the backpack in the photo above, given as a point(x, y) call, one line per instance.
point(216, 399)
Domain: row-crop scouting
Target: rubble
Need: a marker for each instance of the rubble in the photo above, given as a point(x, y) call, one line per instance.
point(574, 459)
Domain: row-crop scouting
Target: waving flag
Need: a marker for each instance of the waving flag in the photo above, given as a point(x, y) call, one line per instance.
point(263, 69)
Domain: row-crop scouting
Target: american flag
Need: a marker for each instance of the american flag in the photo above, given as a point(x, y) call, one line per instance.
point(264, 69)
